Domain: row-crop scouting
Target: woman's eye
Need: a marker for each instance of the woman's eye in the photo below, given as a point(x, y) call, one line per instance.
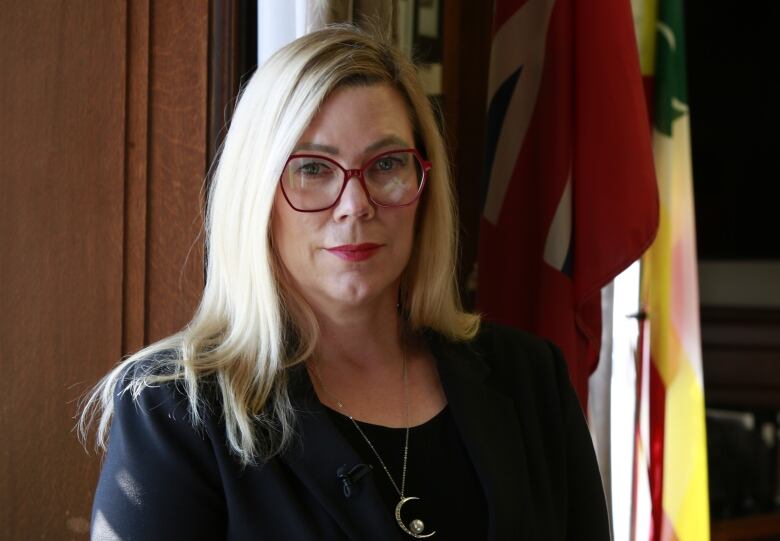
point(385, 164)
point(313, 168)
point(389, 163)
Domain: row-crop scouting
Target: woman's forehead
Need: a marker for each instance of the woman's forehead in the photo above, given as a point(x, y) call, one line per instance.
point(384, 142)
point(359, 120)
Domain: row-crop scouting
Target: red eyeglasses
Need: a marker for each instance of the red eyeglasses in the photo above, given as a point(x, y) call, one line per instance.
point(396, 178)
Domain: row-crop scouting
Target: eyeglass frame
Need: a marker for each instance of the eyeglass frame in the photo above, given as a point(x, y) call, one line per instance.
point(359, 173)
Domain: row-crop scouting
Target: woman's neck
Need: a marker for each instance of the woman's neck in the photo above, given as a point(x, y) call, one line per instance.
point(364, 338)
point(358, 367)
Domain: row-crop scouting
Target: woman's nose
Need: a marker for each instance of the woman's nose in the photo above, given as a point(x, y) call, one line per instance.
point(354, 200)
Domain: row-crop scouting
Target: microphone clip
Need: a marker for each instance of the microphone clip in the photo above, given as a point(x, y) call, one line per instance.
point(350, 477)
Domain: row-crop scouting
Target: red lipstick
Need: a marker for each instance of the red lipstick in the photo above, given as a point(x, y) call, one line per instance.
point(355, 252)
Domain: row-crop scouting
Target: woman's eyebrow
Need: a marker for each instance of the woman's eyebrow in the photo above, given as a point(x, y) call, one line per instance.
point(390, 140)
point(316, 147)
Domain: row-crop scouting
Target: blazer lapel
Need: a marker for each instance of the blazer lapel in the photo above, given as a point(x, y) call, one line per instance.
point(489, 426)
point(315, 459)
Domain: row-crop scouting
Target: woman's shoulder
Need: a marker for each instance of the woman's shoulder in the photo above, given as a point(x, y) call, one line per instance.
point(160, 463)
point(499, 346)
point(504, 347)
point(152, 363)
point(519, 361)
point(152, 386)
point(151, 373)
point(496, 335)
point(155, 416)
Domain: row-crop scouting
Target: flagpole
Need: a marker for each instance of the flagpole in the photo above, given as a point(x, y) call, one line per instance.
point(642, 360)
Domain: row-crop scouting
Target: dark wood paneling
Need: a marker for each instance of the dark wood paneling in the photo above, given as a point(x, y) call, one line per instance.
point(137, 114)
point(741, 357)
point(102, 158)
point(755, 528)
point(466, 49)
point(177, 162)
point(232, 59)
point(62, 146)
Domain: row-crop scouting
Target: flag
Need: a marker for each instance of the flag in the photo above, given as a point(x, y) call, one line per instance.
point(570, 197)
point(669, 293)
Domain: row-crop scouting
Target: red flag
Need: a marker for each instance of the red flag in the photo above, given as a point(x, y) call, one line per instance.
point(571, 198)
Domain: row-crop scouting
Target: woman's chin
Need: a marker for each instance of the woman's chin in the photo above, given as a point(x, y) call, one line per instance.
point(356, 294)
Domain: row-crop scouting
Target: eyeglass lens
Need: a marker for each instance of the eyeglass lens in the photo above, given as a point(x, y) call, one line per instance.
point(315, 182)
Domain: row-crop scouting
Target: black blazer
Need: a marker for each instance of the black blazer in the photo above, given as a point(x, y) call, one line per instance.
point(511, 399)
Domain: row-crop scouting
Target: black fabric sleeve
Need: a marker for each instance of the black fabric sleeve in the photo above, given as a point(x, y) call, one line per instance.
point(159, 479)
point(586, 508)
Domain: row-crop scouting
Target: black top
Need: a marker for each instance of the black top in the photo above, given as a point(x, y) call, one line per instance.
point(508, 394)
point(438, 471)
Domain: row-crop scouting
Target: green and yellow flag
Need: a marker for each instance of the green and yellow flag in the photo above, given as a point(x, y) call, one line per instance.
point(678, 446)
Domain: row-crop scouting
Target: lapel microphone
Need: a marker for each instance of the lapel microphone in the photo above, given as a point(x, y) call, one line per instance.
point(349, 478)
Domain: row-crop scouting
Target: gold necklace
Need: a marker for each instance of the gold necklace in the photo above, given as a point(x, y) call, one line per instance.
point(416, 526)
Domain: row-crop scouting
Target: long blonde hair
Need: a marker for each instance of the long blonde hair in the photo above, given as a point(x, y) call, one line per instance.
point(250, 327)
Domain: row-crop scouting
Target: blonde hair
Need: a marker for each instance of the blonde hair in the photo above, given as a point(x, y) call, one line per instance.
point(250, 327)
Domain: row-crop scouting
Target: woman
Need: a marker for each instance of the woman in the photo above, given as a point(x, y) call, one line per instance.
point(329, 385)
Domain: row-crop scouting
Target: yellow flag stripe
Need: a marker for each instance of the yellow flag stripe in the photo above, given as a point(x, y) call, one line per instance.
point(645, 16)
point(670, 292)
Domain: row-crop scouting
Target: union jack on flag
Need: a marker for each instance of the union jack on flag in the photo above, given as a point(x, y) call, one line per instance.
point(570, 198)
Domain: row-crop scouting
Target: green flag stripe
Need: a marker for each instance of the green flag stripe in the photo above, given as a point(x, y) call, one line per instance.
point(671, 90)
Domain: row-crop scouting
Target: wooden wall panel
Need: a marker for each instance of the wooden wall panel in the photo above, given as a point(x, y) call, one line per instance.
point(61, 237)
point(103, 107)
point(136, 178)
point(232, 59)
point(466, 51)
point(177, 162)
point(741, 357)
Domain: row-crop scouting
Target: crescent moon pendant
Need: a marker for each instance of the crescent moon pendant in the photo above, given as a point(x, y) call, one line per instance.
point(401, 522)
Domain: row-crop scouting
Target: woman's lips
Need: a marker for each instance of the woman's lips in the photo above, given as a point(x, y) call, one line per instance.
point(355, 252)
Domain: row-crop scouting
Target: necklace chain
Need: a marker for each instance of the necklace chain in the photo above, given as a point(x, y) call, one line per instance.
point(401, 490)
